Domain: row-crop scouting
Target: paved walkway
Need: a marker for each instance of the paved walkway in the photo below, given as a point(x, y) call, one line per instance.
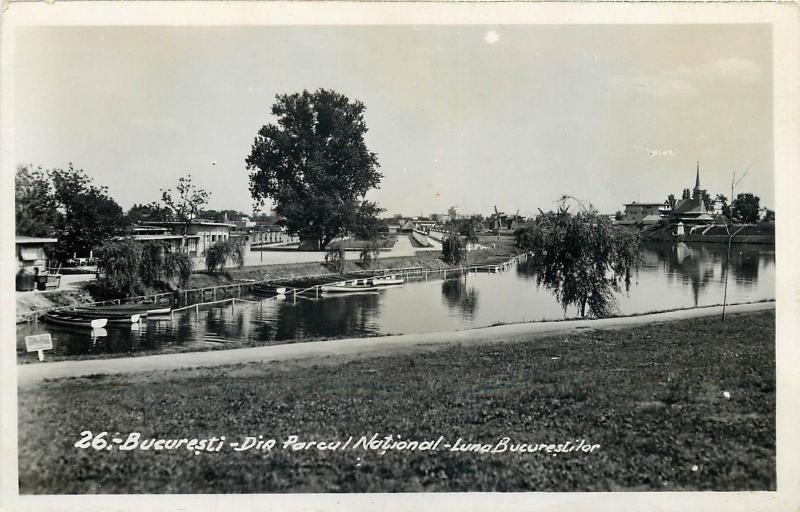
point(404, 247)
point(33, 373)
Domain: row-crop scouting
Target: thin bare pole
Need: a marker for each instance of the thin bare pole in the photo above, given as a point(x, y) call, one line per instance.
point(734, 182)
point(727, 271)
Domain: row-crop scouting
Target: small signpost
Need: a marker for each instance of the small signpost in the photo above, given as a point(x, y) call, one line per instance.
point(39, 343)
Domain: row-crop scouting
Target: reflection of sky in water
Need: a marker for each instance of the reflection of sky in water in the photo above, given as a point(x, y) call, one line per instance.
point(671, 276)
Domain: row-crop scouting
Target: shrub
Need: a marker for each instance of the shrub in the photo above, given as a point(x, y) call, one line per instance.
point(582, 258)
point(454, 249)
point(370, 251)
point(222, 253)
point(127, 268)
point(334, 257)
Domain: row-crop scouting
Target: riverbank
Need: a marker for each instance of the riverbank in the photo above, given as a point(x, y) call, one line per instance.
point(30, 370)
point(763, 233)
point(28, 303)
point(674, 405)
point(429, 260)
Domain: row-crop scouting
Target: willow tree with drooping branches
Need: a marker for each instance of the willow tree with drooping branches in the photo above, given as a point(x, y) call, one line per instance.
point(230, 251)
point(127, 268)
point(581, 257)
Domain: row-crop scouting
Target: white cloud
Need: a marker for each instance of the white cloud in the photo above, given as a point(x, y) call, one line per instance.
point(691, 80)
point(491, 37)
point(661, 85)
point(743, 70)
point(655, 152)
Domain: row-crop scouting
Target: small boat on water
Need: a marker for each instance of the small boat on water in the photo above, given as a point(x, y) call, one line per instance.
point(355, 285)
point(64, 319)
point(159, 311)
point(340, 295)
point(123, 310)
point(269, 289)
point(388, 280)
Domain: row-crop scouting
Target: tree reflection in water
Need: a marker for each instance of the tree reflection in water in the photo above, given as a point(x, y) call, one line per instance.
point(335, 314)
point(698, 264)
point(457, 295)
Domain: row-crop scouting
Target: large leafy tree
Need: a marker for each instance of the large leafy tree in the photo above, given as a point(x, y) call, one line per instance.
point(91, 216)
point(582, 258)
point(65, 203)
point(745, 208)
point(365, 224)
point(35, 207)
point(313, 164)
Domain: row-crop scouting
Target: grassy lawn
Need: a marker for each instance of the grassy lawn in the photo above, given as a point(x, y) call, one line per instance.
point(653, 397)
point(498, 241)
point(384, 243)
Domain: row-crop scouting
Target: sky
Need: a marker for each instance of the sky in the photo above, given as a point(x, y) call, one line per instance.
point(469, 116)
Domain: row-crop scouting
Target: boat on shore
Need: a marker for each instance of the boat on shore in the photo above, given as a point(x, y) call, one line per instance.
point(355, 285)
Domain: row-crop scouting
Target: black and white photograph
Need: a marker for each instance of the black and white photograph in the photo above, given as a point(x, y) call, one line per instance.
point(446, 254)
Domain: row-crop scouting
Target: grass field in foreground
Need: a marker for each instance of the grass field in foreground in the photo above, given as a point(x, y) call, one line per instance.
point(686, 405)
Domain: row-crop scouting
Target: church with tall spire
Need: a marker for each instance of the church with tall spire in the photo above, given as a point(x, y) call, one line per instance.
point(691, 209)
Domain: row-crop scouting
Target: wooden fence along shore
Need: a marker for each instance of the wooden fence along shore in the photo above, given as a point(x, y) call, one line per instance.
point(297, 287)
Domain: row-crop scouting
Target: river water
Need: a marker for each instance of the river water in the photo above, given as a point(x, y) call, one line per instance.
point(671, 276)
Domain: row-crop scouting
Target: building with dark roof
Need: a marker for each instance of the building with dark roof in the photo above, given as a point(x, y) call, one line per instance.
point(692, 210)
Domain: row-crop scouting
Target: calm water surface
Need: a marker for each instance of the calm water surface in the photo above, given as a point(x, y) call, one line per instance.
point(671, 276)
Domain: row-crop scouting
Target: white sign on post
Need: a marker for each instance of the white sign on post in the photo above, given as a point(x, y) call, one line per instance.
point(39, 343)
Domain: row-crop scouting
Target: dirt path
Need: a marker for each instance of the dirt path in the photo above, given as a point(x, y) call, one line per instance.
point(29, 374)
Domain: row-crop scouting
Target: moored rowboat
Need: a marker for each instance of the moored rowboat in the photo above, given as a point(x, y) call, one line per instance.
point(74, 318)
point(269, 289)
point(387, 280)
point(159, 311)
point(119, 312)
point(356, 285)
point(62, 319)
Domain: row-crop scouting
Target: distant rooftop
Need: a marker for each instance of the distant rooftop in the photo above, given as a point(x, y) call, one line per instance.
point(162, 237)
point(644, 204)
point(193, 223)
point(34, 240)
